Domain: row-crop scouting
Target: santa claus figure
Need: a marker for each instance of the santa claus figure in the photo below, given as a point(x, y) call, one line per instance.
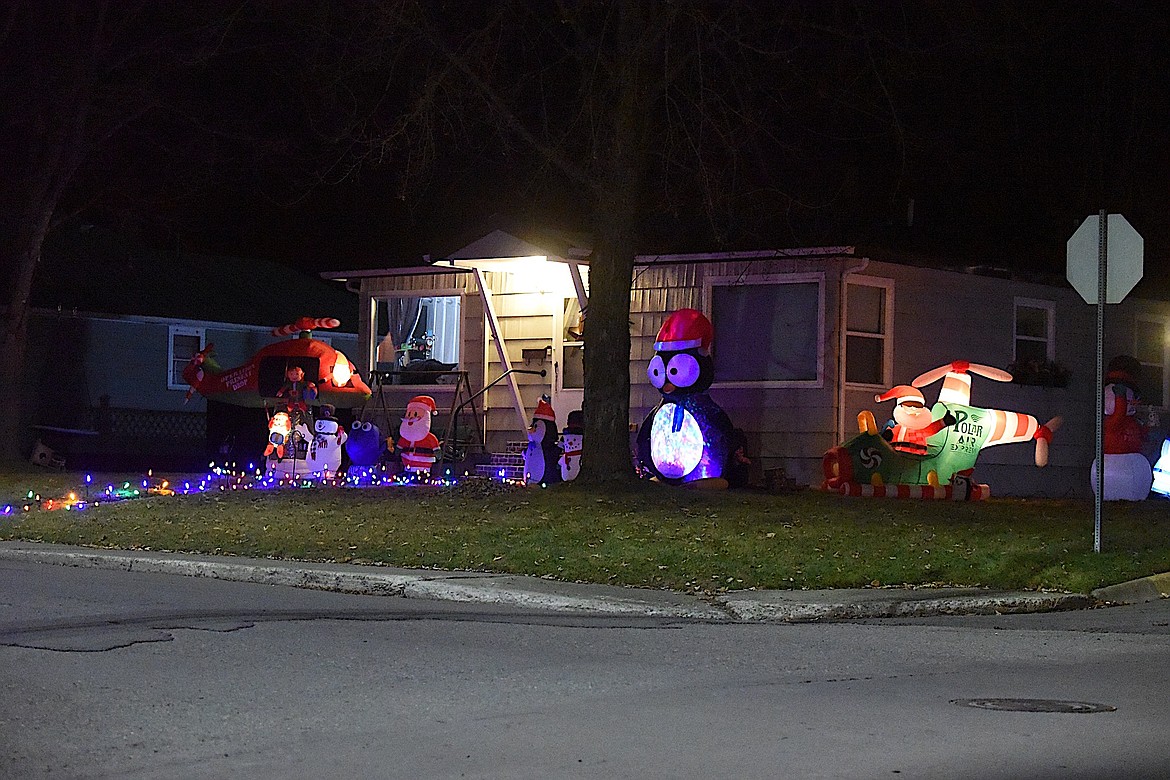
point(912, 424)
point(416, 445)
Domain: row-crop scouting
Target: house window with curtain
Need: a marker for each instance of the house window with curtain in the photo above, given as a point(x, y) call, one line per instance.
point(412, 328)
point(1150, 348)
point(182, 344)
point(768, 330)
point(868, 322)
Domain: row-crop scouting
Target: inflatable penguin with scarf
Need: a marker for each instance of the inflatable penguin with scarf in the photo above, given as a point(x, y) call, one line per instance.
point(687, 438)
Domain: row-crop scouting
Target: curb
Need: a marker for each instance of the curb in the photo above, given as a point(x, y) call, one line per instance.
point(467, 587)
point(771, 610)
point(1139, 591)
point(767, 606)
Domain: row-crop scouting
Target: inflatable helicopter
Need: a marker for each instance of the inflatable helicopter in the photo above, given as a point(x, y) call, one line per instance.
point(931, 453)
point(258, 381)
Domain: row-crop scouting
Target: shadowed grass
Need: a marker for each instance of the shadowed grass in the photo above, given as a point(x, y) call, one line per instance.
point(647, 535)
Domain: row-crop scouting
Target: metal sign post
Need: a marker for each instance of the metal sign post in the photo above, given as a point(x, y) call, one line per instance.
point(1103, 271)
point(1099, 446)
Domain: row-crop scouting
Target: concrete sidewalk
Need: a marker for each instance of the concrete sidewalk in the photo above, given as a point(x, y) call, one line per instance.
point(552, 595)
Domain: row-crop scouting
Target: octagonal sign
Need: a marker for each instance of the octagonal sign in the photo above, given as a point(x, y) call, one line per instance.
point(1124, 249)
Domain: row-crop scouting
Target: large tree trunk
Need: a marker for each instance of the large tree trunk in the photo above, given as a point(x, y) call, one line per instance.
point(607, 355)
point(626, 152)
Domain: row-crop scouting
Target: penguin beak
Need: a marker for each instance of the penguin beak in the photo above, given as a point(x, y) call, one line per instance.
point(668, 387)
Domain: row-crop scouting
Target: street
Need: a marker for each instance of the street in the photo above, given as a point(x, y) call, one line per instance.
point(110, 674)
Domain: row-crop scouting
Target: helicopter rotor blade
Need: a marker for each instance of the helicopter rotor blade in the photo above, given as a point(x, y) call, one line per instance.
point(935, 374)
point(998, 374)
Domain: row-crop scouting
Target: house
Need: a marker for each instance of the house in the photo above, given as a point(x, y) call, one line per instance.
point(110, 333)
point(804, 341)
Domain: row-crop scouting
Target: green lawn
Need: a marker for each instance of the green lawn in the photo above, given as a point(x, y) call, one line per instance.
point(649, 535)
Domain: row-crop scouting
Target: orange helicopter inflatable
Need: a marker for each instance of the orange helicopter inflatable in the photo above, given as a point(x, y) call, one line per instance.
point(258, 382)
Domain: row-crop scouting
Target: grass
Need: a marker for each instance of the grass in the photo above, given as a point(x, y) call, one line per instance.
point(648, 535)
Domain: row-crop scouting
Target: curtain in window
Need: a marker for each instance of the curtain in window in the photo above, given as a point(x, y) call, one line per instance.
point(402, 318)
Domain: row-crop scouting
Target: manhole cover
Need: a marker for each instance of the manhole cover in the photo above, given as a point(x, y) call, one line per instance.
point(1035, 705)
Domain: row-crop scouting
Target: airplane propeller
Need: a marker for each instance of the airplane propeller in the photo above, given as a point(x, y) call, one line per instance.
point(961, 366)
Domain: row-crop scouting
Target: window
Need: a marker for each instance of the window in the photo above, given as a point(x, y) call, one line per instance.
point(868, 322)
point(573, 346)
point(413, 328)
point(1035, 332)
point(768, 330)
point(183, 343)
point(1150, 349)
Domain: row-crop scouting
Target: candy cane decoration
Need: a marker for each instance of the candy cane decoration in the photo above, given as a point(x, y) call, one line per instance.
point(306, 323)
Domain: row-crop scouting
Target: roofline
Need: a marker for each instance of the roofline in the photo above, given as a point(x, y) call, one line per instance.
point(761, 254)
point(409, 270)
point(147, 319)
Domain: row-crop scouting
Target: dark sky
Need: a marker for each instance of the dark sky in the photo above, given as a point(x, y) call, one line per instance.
point(1005, 125)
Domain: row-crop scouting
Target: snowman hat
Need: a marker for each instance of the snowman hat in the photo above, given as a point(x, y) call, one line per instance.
point(902, 393)
point(424, 401)
point(685, 329)
point(544, 411)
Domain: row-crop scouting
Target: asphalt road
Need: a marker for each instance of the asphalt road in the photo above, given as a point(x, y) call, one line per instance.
point(111, 674)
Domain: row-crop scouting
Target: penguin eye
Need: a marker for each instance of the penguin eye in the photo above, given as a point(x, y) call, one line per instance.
point(367, 427)
point(356, 425)
point(657, 372)
point(683, 370)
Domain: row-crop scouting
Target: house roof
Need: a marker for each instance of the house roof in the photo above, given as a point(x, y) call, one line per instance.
point(190, 287)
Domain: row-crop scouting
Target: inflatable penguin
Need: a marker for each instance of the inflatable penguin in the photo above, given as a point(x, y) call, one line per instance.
point(571, 439)
point(542, 453)
point(1128, 475)
point(687, 438)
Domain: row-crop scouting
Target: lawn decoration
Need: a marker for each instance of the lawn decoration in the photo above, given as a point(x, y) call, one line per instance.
point(1128, 476)
point(364, 445)
point(869, 465)
point(571, 440)
point(297, 393)
point(541, 454)
point(326, 445)
point(1161, 483)
point(416, 444)
point(279, 431)
point(686, 439)
point(259, 380)
point(912, 424)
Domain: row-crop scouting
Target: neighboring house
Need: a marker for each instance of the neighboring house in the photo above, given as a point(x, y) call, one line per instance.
point(108, 340)
point(804, 340)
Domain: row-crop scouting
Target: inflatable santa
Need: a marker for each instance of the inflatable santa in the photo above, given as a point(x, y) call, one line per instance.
point(417, 446)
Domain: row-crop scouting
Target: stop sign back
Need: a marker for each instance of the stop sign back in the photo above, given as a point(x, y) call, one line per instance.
point(1125, 249)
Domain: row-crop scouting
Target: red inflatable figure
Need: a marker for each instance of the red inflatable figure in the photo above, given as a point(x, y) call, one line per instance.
point(1123, 433)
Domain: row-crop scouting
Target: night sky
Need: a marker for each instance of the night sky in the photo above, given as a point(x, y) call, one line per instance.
point(1006, 125)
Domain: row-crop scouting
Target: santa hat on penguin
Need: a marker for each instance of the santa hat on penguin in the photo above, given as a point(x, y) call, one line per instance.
point(544, 411)
point(685, 329)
